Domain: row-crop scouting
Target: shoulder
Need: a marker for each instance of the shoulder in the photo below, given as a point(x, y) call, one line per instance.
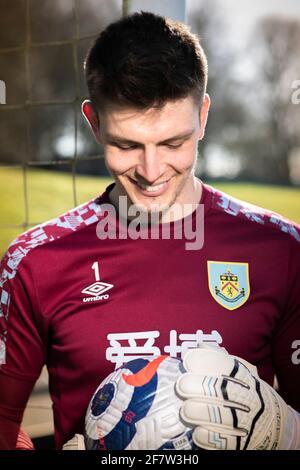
point(255, 216)
point(47, 233)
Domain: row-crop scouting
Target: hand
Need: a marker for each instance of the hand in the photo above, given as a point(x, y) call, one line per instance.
point(76, 443)
point(231, 407)
point(23, 441)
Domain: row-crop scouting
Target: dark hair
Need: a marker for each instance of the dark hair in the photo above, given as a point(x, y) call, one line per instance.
point(145, 60)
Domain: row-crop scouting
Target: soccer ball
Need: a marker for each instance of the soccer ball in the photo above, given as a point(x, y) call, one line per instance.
point(136, 408)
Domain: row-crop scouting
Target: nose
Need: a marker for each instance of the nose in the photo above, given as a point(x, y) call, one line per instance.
point(150, 168)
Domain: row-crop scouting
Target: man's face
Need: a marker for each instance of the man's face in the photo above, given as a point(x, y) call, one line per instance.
point(152, 154)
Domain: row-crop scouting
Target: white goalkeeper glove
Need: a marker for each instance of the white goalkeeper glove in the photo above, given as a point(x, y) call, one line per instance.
point(76, 443)
point(231, 407)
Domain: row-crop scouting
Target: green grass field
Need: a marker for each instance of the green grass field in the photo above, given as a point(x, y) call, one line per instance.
point(50, 194)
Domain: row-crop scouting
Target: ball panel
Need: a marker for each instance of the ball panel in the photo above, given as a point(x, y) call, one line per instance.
point(136, 407)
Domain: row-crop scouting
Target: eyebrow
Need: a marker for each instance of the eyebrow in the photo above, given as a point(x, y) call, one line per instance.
point(182, 136)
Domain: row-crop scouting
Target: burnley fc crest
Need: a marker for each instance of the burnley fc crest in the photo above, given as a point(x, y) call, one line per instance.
point(229, 283)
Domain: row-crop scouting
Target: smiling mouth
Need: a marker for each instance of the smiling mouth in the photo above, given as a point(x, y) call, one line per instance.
point(149, 188)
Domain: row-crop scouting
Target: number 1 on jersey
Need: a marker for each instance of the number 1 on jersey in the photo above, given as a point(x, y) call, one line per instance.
point(95, 267)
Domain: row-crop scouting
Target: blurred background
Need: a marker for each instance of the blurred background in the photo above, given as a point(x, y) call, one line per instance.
point(49, 161)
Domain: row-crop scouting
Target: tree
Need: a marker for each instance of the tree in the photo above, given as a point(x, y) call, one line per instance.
point(228, 113)
point(277, 118)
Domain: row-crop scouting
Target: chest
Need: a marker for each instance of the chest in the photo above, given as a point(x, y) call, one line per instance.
point(123, 304)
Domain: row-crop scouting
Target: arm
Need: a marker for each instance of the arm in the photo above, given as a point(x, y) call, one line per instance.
point(13, 398)
point(22, 352)
point(286, 338)
point(231, 407)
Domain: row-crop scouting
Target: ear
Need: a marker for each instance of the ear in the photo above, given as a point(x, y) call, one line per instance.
point(203, 115)
point(92, 119)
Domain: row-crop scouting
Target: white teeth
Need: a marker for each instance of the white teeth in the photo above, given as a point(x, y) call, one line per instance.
point(151, 189)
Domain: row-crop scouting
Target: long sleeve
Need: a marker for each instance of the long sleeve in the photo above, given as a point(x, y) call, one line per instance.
point(286, 340)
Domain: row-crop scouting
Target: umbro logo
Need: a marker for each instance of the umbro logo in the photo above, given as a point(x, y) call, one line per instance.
point(97, 289)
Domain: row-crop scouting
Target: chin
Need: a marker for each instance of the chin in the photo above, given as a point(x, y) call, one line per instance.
point(152, 204)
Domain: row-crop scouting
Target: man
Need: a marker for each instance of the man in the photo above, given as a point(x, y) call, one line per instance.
point(84, 303)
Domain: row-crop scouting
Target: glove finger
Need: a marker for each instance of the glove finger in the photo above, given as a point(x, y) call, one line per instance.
point(76, 443)
point(208, 361)
point(212, 417)
point(217, 362)
point(213, 440)
point(215, 390)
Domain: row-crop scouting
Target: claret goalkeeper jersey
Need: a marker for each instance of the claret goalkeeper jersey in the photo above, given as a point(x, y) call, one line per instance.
point(84, 304)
